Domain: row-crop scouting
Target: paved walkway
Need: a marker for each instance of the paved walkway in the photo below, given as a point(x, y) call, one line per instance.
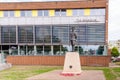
point(113, 65)
point(55, 75)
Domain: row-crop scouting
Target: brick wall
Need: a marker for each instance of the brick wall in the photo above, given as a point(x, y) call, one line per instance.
point(57, 60)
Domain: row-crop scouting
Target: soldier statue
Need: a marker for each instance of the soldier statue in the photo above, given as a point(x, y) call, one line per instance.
point(73, 38)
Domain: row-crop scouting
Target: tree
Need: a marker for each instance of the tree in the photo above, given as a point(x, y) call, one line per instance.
point(80, 49)
point(100, 50)
point(115, 52)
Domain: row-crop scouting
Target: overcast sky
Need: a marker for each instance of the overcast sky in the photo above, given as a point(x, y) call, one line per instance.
point(114, 15)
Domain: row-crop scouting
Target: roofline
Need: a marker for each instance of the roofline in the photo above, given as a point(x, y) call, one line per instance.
point(52, 5)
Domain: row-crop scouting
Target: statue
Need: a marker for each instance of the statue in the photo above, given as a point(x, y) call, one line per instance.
point(72, 63)
point(73, 38)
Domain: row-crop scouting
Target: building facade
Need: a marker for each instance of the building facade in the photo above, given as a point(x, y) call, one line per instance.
point(43, 28)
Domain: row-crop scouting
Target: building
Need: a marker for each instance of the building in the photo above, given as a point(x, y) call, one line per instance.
point(38, 32)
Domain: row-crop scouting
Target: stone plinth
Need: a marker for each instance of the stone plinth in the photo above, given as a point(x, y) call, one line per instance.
point(4, 66)
point(0, 59)
point(72, 63)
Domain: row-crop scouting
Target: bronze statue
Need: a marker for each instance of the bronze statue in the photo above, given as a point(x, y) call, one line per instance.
point(73, 38)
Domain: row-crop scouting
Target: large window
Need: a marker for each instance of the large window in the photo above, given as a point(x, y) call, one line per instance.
point(60, 34)
point(43, 34)
point(96, 33)
point(90, 33)
point(8, 34)
point(25, 34)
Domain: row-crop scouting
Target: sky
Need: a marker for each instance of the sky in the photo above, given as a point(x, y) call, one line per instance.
point(114, 15)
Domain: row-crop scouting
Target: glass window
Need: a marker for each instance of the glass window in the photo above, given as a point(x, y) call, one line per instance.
point(97, 12)
point(8, 34)
point(80, 12)
point(46, 13)
point(28, 13)
point(40, 12)
point(75, 12)
point(80, 31)
point(102, 11)
point(22, 13)
point(47, 50)
point(96, 33)
point(43, 34)
point(6, 13)
point(25, 34)
point(57, 12)
point(39, 50)
point(11, 13)
point(90, 34)
point(60, 34)
point(63, 12)
point(60, 12)
point(91, 49)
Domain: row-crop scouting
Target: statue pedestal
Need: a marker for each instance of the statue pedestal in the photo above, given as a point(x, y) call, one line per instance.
point(0, 58)
point(4, 65)
point(72, 63)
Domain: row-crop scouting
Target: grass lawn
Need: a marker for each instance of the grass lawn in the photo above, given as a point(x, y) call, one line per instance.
point(22, 72)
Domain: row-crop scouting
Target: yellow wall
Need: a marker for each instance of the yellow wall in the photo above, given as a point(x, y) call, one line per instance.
point(1, 13)
point(87, 12)
point(51, 12)
point(69, 12)
point(34, 13)
point(17, 13)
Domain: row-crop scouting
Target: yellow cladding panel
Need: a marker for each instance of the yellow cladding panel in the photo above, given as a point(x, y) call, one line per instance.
point(69, 12)
point(17, 13)
point(34, 13)
point(1, 13)
point(87, 12)
point(51, 12)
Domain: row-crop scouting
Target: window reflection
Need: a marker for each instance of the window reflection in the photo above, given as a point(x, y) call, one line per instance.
point(25, 34)
point(60, 34)
point(91, 49)
point(43, 34)
point(8, 34)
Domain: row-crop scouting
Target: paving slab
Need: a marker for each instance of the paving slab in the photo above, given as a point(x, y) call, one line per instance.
point(55, 75)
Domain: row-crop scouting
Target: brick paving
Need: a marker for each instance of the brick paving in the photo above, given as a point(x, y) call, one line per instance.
point(55, 75)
